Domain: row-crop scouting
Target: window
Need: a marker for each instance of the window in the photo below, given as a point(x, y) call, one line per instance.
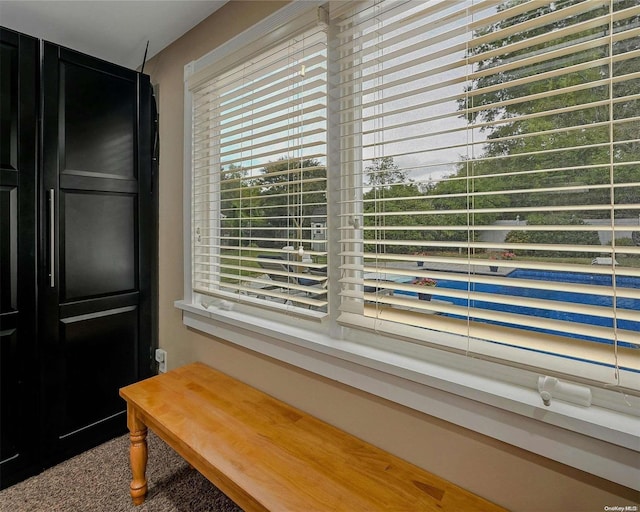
point(259, 176)
point(443, 192)
point(491, 179)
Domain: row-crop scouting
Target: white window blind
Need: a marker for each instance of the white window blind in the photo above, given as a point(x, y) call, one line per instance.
point(259, 176)
point(493, 149)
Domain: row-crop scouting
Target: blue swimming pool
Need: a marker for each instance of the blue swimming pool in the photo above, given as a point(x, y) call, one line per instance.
point(561, 296)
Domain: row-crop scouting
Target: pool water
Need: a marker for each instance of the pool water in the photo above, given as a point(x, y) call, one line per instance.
point(554, 295)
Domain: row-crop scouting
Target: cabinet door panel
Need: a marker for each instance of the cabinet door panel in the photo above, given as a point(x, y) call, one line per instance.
point(18, 349)
point(8, 105)
point(8, 249)
point(9, 395)
point(99, 244)
point(107, 339)
point(96, 170)
point(98, 120)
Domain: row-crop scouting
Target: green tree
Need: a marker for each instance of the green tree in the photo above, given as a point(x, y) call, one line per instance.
point(393, 209)
point(384, 172)
point(239, 205)
point(533, 140)
point(290, 191)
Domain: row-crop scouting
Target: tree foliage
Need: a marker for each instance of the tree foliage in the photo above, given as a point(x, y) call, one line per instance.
point(384, 172)
point(547, 134)
point(240, 205)
point(392, 202)
point(291, 190)
point(552, 132)
point(277, 204)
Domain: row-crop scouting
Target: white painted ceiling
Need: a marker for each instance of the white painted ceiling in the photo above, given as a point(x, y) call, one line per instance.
point(113, 30)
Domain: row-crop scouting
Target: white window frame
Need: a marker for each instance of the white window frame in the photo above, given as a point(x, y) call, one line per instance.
point(490, 398)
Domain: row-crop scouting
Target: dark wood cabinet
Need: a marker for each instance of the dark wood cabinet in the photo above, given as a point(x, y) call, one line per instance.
point(19, 379)
point(84, 218)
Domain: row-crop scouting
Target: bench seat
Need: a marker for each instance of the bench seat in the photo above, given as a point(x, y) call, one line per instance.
point(267, 455)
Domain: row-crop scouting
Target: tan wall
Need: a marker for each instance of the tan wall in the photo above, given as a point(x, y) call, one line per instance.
point(509, 476)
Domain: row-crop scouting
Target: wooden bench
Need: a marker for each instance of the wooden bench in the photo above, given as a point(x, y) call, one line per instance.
point(267, 455)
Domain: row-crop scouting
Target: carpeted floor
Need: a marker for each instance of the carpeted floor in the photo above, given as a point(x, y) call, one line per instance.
point(98, 481)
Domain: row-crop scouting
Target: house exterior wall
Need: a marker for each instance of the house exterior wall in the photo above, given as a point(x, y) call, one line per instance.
point(604, 235)
point(511, 477)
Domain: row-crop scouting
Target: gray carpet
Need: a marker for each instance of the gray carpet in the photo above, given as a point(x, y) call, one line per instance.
point(98, 481)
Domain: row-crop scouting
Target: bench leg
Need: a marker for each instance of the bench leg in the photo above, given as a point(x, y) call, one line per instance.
point(137, 456)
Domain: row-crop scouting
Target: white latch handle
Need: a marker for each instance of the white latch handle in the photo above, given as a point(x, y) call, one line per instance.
point(550, 387)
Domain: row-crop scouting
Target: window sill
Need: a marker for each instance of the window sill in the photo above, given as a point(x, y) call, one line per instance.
point(602, 441)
